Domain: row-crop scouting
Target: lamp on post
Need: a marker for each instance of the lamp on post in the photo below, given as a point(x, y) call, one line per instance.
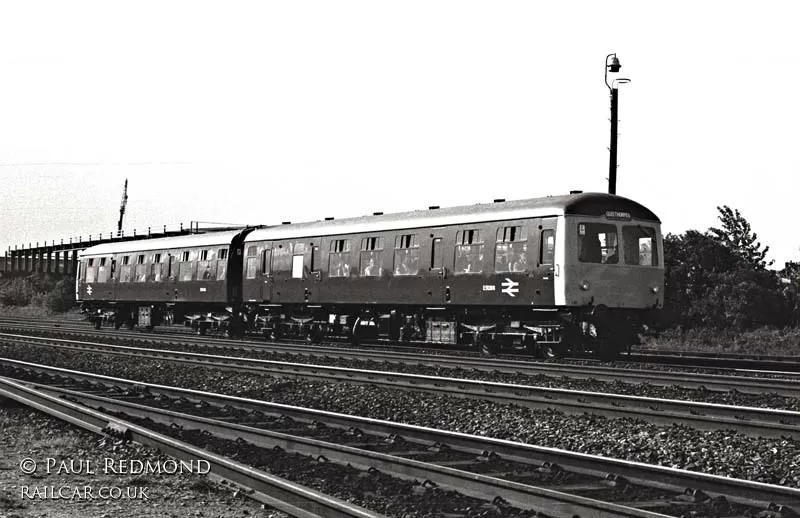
point(613, 66)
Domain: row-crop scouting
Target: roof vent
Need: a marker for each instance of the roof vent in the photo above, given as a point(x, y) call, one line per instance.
point(329, 218)
point(576, 192)
point(377, 213)
point(286, 222)
point(499, 200)
point(433, 207)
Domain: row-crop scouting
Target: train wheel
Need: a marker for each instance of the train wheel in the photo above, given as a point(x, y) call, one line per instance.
point(355, 339)
point(316, 334)
point(487, 346)
point(607, 350)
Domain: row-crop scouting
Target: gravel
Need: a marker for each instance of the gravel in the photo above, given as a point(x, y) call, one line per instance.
point(374, 490)
point(30, 434)
point(726, 453)
point(767, 400)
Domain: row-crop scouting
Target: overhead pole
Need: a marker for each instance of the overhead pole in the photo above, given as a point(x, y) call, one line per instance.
point(613, 89)
point(122, 207)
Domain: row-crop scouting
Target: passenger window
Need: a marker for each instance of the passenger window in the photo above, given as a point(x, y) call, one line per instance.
point(156, 269)
point(297, 260)
point(222, 263)
point(141, 269)
point(547, 247)
point(436, 254)
point(314, 255)
point(511, 250)
point(103, 271)
point(339, 258)
point(297, 267)
point(266, 259)
point(406, 255)
point(281, 258)
point(206, 266)
point(91, 271)
point(252, 262)
point(597, 243)
point(469, 252)
point(371, 257)
point(186, 267)
point(640, 245)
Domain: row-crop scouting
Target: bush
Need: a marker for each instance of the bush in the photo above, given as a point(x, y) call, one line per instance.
point(62, 297)
point(19, 292)
point(37, 290)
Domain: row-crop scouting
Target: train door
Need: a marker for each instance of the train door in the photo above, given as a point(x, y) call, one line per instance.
point(311, 273)
point(545, 270)
point(289, 272)
point(437, 293)
point(267, 280)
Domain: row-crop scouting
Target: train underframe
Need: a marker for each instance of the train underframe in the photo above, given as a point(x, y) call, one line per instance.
point(202, 318)
point(543, 332)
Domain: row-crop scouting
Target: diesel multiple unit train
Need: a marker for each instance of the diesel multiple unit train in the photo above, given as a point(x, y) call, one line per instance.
point(579, 271)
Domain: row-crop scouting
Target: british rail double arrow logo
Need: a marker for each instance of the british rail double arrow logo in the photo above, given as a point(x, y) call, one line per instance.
point(510, 287)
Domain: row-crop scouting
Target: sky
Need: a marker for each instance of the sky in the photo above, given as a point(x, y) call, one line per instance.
point(262, 112)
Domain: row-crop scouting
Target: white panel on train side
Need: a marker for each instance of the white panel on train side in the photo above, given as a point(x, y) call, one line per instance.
point(559, 282)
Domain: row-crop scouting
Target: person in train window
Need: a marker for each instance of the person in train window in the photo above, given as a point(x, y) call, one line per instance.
point(207, 273)
point(404, 268)
point(591, 250)
point(521, 263)
point(474, 264)
point(372, 270)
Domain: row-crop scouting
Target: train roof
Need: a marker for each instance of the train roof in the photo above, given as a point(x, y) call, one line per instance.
point(587, 204)
point(222, 238)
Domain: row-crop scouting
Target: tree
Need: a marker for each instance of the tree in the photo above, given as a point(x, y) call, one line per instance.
point(719, 279)
point(738, 237)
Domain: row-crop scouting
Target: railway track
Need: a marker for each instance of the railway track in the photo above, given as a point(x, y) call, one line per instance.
point(787, 386)
point(712, 362)
point(554, 482)
point(705, 416)
point(285, 496)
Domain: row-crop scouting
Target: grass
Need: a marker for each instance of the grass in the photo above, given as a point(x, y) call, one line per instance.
point(764, 340)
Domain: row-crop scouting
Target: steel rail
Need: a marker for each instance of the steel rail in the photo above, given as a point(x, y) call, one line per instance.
point(785, 364)
point(552, 502)
point(281, 494)
point(763, 422)
point(677, 480)
point(783, 387)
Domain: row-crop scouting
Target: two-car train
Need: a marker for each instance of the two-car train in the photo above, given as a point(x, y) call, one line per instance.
point(579, 271)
